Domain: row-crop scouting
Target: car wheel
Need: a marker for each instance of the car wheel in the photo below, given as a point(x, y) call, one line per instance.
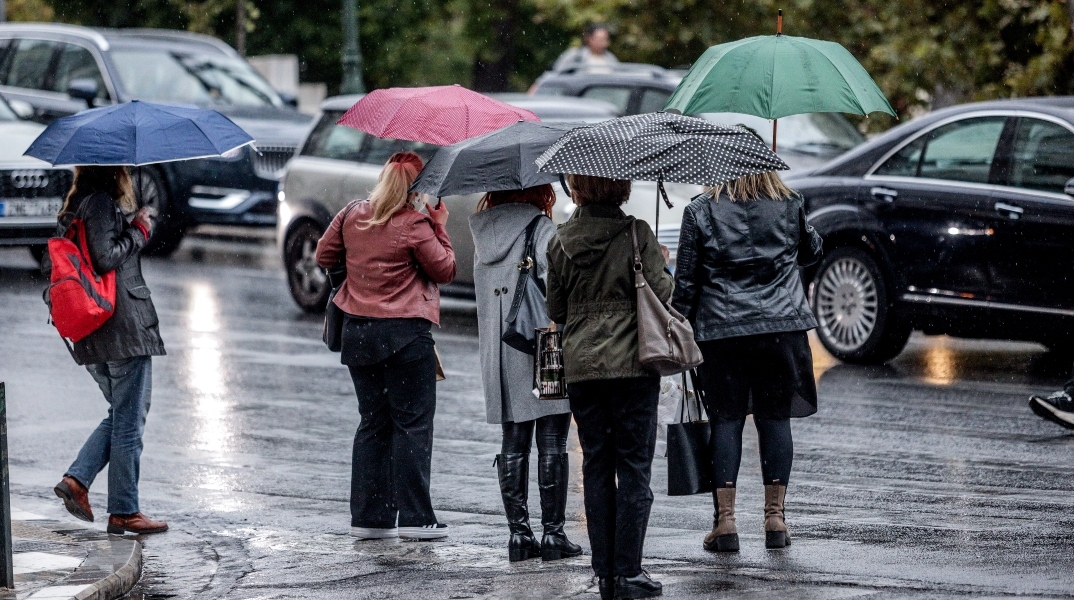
point(151, 192)
point(307, 281)
point(850, 299)
point(39, 252)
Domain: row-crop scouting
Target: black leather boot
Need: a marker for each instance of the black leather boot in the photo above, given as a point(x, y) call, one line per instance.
point(514, 474)
point(552, 472)
point(638, 586)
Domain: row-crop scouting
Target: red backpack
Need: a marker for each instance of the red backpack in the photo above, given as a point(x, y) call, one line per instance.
point(79, 299)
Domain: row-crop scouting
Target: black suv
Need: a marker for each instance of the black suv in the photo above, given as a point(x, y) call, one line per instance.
point(960, 222)
point(49, 71)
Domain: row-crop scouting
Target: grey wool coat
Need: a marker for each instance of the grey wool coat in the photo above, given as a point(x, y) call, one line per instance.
point(507, 374)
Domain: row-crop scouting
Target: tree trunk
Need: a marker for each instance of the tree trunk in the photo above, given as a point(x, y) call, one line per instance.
point(494, 63)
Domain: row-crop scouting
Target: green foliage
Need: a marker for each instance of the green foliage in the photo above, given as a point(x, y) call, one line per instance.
point(922, 52)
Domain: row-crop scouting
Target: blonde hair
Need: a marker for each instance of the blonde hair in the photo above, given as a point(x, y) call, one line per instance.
point(114, 181)
point(392, 192)
point(752, 187)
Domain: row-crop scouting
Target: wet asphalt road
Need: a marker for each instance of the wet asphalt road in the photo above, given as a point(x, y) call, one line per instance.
point(925, 478)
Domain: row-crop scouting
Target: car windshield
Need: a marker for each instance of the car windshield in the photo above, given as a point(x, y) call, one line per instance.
point(163, 76)
point(811, 133)
point(6, 114)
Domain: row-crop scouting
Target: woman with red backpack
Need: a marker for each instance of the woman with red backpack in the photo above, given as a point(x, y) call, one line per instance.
point(117, 353)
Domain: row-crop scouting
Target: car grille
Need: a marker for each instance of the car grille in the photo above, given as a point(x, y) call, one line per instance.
point(269, 161)
point(35, 183)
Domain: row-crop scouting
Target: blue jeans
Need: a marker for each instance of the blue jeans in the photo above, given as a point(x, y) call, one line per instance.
point(117, 441)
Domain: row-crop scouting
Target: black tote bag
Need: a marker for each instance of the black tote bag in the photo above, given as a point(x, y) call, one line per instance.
point(334, 315)
point(689, 460)
point(528, 310)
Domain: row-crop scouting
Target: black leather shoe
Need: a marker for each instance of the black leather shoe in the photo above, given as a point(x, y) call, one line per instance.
point(606, 587)
point(638, 586)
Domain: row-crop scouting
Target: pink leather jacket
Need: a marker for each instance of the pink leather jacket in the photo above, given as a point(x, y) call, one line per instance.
point(392, 269)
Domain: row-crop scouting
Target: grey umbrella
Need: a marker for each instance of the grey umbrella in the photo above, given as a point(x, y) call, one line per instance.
point(501, 160)
point(661, 147)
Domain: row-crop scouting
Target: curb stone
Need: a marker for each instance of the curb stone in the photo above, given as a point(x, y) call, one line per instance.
point(108, 566)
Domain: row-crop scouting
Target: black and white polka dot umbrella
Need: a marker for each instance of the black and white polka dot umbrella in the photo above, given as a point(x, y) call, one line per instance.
point(661, 147)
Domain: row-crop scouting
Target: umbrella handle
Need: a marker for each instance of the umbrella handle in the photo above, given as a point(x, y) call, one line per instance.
point(563, 183)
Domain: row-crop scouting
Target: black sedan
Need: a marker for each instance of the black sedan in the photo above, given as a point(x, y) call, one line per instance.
point(960, 223)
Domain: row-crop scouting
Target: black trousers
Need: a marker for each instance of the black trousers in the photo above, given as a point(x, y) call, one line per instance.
point(393, 446)
point(551, 435)
point(617, 430)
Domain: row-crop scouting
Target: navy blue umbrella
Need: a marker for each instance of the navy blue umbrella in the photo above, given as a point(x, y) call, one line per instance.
point(137, 133)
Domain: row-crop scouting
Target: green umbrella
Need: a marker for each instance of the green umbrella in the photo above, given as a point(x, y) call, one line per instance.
point(775, 76)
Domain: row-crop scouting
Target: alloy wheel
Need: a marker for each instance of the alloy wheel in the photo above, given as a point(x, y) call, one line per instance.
point(847, 303)
point(310, 277)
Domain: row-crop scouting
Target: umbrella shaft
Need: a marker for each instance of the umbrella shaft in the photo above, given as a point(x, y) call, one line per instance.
point(774, 121)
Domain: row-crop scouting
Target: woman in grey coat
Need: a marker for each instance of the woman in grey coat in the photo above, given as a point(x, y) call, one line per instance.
point(499, 229)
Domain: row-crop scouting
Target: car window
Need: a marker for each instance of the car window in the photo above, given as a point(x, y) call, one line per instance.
point(379, 150)
point(825, 134)
point(1043, 156)
point(76, 62)
point(29, 64)
point(328, 140)
point(905, 162)
point(963, 150)
point(653, 100)
point(164, 76)
point(617, 95)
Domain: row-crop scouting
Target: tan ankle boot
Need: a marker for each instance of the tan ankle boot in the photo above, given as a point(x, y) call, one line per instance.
point(775, 528)
point(724, 534)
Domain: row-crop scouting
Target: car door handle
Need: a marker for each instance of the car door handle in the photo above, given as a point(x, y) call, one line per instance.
point(1010, 210)
point(884, 194)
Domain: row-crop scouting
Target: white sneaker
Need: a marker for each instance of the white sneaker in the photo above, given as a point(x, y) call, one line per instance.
point(373, 533)
point(435, 531)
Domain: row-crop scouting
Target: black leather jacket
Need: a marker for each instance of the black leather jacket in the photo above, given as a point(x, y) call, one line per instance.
point(114, 245)
point(737, 273)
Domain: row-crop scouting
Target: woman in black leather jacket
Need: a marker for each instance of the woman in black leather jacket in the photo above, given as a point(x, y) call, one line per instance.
point(737, 279)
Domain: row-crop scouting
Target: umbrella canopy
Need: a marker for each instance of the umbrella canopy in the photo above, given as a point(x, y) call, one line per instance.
point(661, 147)
point(776, 76)
point(137, 133)
point(440, 115)
point(501, 160)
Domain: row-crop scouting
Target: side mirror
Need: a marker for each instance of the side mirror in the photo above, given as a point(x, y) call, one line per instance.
point(289, 99)
point(22, 108)
point(1068, 189)
point(83, 89)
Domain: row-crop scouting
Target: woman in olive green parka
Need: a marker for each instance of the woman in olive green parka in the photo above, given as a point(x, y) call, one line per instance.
point(591, 290)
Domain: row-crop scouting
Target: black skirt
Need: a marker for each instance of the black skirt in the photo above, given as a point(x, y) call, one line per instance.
point(769, 376)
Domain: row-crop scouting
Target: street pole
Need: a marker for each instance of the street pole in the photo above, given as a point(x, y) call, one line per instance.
point(240, 27)
point(3, 12)
point(7, 570)
point(352, 53)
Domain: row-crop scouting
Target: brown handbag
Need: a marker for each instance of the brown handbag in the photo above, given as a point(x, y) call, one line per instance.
point(666, 343)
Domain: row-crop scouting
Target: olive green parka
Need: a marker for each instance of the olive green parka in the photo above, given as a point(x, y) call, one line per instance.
point(591, 290)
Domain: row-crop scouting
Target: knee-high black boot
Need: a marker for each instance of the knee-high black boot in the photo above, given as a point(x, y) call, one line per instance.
point(513, 471)
point(552, 472)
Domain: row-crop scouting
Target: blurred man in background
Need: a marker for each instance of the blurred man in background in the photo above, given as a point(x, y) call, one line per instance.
point(592, 53)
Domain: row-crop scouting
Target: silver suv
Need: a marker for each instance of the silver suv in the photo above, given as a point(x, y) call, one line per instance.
point(337, 164)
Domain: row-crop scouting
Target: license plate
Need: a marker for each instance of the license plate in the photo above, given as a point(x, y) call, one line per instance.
point(30, 207)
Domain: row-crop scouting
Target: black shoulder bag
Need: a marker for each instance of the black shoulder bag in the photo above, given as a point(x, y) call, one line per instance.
point(528, 310)
point(334, 315)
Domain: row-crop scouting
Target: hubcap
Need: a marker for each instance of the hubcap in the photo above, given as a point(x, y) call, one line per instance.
point(847, 304)
point(308, 275)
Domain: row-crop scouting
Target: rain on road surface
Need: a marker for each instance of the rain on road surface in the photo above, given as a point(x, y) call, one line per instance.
point(925, 478)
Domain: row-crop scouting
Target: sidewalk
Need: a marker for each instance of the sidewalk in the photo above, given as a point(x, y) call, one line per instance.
point(54, 560)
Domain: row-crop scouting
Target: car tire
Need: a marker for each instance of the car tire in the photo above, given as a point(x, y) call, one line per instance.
point(150, 191)
point(856, 322)
point(306, 280)
point(38, 251)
